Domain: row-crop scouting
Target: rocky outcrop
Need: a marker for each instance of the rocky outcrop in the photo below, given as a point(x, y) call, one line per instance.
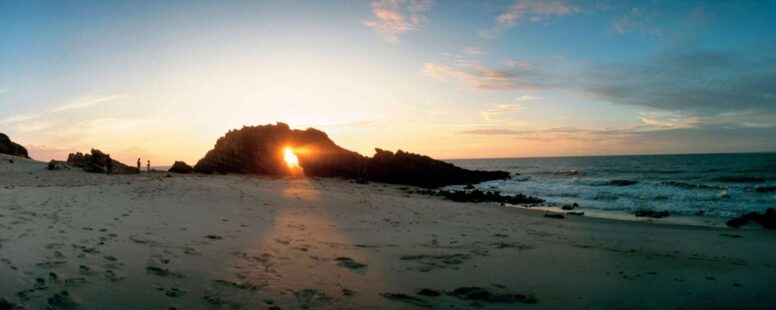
point(96, 162)
point(408, 168)
point(181, 167)
point(9, 147)
point(260, 149)
point(766, 219)
point(477, 196)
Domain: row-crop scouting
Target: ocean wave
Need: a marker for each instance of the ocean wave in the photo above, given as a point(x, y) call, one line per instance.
point(560, 172)
point(520, 178)
point(765, 189)
point(680, 184)
point(621, 182)
point(740, 179)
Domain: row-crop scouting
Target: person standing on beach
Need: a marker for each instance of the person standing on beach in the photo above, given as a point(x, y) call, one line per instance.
point(108, 165)
point(148, 166)
point(138, 166)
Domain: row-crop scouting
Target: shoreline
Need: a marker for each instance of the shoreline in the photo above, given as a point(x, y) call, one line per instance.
point(617, 215)
point(214, 241)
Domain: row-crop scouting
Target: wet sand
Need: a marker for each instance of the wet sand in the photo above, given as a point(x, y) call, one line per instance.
point(70, 239)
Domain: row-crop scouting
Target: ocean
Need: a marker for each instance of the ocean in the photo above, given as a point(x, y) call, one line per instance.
point(714, 185)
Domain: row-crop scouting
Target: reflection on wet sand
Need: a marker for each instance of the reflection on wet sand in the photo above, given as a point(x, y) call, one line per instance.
point(305, 259)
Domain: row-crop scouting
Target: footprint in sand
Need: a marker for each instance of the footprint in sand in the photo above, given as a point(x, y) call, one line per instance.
point(162, 272)
point(174, 292)
point(214, 237)
point(349, 263)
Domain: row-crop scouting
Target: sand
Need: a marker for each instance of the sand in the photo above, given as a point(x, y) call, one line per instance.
point(70, 239)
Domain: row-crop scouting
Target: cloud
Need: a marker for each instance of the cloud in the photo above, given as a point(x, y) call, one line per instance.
point(532, 10)
point(691, 80)
point(81, 103)
point(476, 51)
point(484, 78)
point(4, 90)
point(499, 112)
point(644, 139)
point(527, 98)
point(491, 132)
point(637, 19)
point(394, 17)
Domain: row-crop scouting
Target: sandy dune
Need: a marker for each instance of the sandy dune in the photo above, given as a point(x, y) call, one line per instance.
point(73, 239)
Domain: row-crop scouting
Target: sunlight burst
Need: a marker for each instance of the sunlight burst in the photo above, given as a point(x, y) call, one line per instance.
point(291, 160)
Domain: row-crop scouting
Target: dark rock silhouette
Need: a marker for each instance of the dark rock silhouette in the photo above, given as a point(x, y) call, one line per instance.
point(57, 165)
point(652, 214)
point(95, 162)
point(485, 196)
point(260, 149)
point(766, 219)
point(9, 147)
point(623, 182)
point(181, 167)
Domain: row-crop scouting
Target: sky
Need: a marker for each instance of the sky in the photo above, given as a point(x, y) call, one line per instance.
point(162, 80)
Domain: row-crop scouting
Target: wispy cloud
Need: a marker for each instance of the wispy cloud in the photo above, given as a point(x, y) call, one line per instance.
point(708, 138)
point(4, 90)
point(691, 80)
point(527, 98)
point(476, 51)
point(394, 17)
point(81, 103)
point(637, 19)
point(482, 77)
point(530, 10)
point(500, 112)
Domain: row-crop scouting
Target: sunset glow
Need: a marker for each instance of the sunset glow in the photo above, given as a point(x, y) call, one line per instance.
point(291, 160)
point(450, 79)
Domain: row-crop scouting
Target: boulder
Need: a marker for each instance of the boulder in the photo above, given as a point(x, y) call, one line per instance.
point(181, 167)
point(57, 165)
point(9, 147)
point(766, 219)
point(737, 222)
point(95, 162)
point(261, 150)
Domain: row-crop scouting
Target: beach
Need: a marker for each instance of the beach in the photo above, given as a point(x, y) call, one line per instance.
point(72, 239)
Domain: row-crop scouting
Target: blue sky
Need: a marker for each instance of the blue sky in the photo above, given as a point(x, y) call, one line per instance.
point(452, 79)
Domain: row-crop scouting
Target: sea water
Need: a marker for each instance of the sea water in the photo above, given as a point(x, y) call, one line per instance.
point(714, 185)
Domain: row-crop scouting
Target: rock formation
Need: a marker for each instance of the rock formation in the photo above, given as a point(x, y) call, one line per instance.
point(767, 219)
point(181, 167)
point(95, 162)
point(11, 148)
point(260, 149)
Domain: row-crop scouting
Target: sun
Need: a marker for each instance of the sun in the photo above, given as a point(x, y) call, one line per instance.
point(291, 160)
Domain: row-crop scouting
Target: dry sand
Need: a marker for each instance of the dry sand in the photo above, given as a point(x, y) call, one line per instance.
point(74, 239)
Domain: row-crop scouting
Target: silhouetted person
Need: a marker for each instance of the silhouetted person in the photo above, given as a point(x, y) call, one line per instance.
point(148, 166)
point(138, 166)
point(108, 165)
